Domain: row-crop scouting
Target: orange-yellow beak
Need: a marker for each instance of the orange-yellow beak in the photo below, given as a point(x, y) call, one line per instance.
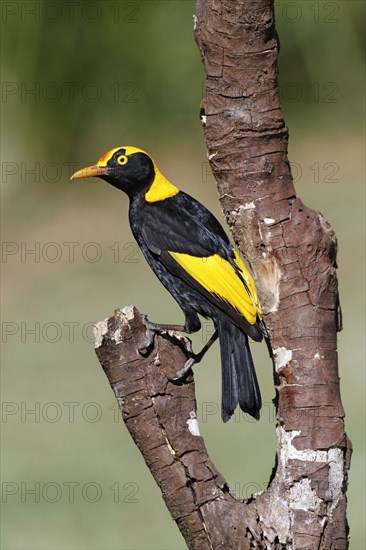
point(90, 172)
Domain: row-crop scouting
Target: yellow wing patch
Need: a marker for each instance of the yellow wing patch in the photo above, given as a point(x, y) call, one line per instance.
point(218, 277)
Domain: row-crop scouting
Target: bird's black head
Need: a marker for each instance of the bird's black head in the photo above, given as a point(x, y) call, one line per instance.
point(133, 171)
point(129, 169)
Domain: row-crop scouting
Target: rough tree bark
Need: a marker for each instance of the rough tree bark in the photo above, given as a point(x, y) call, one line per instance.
point(292, 251)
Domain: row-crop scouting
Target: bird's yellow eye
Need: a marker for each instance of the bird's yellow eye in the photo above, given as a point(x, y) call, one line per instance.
point(122, 159)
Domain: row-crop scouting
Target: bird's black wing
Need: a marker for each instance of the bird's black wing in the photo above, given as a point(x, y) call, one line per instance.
point(182, 224)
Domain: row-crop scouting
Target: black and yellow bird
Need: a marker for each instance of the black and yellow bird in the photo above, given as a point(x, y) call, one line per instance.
point(190, 253)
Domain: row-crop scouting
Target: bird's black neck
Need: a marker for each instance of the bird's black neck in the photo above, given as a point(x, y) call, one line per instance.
point(136, 214)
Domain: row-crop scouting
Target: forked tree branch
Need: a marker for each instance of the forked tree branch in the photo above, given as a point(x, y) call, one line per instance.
point(292, 251)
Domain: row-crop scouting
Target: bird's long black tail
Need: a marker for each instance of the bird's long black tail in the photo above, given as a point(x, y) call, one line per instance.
point(239, 380)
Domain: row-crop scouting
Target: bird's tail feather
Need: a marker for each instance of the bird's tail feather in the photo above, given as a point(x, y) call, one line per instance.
point(239, 380)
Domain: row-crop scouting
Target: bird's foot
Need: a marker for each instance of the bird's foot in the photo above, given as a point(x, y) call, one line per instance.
point(183, 372)
point(148, 343)
point(194, 357)
point(152, 329)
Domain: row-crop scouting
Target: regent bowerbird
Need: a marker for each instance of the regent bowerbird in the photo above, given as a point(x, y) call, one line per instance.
point(190, 253)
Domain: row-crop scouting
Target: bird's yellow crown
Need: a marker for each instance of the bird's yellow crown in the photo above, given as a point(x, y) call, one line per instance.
point(129, 150)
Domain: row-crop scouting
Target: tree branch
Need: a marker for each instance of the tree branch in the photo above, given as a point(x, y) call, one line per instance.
point(161, 418)
point(292, 251)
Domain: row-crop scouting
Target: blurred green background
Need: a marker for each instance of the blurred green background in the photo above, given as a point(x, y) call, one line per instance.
point(79, 78)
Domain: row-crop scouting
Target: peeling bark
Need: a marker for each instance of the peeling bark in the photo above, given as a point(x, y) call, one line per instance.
point(292, 252)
